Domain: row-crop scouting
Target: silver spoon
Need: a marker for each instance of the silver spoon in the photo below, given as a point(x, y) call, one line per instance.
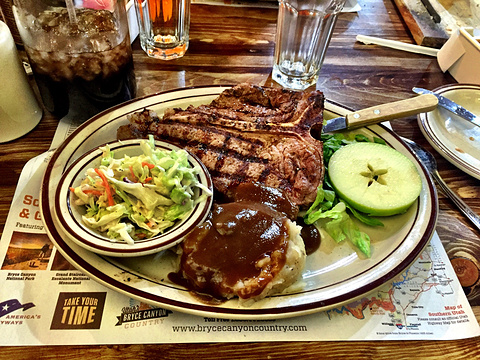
point(430, 163)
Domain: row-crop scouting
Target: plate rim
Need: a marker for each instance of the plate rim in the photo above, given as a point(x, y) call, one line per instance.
point(236, 313)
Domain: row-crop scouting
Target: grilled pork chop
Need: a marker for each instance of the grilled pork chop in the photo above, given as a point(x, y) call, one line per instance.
point(249, 133)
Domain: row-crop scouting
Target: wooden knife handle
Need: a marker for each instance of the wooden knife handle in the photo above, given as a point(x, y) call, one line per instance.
point(393, 110)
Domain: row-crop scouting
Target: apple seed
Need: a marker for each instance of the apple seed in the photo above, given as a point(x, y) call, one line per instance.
point(374, 175)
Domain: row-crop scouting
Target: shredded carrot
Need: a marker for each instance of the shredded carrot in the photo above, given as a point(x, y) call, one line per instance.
point(111, 202)
point(150, 166)
point(148, 179)
point(88, 191)
point(151, 224)
point(93, 192)
point(134, 178)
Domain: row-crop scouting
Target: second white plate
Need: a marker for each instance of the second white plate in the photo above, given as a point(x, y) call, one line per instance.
point(455, 139)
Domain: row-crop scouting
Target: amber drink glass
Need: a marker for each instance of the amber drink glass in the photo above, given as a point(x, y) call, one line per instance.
point(164, 27)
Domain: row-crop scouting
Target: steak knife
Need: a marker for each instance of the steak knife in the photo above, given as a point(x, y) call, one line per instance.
point(388, 111)
point(451, 106)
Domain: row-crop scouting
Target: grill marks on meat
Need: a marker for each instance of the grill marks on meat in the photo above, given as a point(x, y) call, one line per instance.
point(248, 133)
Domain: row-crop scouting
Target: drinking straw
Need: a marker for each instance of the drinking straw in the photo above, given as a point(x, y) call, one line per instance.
point(71, 11)
point(398, 45)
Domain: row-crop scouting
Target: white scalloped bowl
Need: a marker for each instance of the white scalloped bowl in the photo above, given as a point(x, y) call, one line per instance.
point(70, 216)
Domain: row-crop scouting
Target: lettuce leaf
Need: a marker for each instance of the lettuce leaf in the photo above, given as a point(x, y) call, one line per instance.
point(327, 205)
point(341, 227)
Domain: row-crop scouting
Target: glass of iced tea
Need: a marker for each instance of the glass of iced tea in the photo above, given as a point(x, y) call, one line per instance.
point(80, 53)
point(164, 27)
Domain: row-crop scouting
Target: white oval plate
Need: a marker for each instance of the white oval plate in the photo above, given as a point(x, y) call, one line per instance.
point(333, 275)
point(455, 139)
point(70, 216)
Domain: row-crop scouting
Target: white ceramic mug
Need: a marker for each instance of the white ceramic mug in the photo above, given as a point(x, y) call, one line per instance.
point(19, 109)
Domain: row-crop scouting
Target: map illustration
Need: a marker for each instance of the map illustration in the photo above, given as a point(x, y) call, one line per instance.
point(400, 302)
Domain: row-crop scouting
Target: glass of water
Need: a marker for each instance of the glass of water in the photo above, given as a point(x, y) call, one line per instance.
point(304, 29)
point(164, 27)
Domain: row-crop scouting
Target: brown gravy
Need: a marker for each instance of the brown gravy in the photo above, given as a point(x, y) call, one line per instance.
point(258, 193)
point(244, 239)
point(228, 247)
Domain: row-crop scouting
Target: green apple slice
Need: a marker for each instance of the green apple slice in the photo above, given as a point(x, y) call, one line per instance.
point(374, 178)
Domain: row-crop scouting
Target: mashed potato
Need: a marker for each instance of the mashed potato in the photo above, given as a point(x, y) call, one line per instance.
point(245, 250)
point(289, 272)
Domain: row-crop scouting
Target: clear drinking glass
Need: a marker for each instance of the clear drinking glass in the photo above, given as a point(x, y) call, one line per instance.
point(80, 53)
point(304, 30)
point(164, 27)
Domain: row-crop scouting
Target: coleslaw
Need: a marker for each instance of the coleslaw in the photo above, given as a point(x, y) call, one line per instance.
point(134, 198)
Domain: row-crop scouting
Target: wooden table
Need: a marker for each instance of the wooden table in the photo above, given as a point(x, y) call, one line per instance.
point(232, 45)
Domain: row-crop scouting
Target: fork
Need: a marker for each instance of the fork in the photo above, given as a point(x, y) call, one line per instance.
point(430, 163)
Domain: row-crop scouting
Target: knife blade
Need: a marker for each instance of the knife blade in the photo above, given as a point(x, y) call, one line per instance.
point(383, 112)
point(451, 106)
